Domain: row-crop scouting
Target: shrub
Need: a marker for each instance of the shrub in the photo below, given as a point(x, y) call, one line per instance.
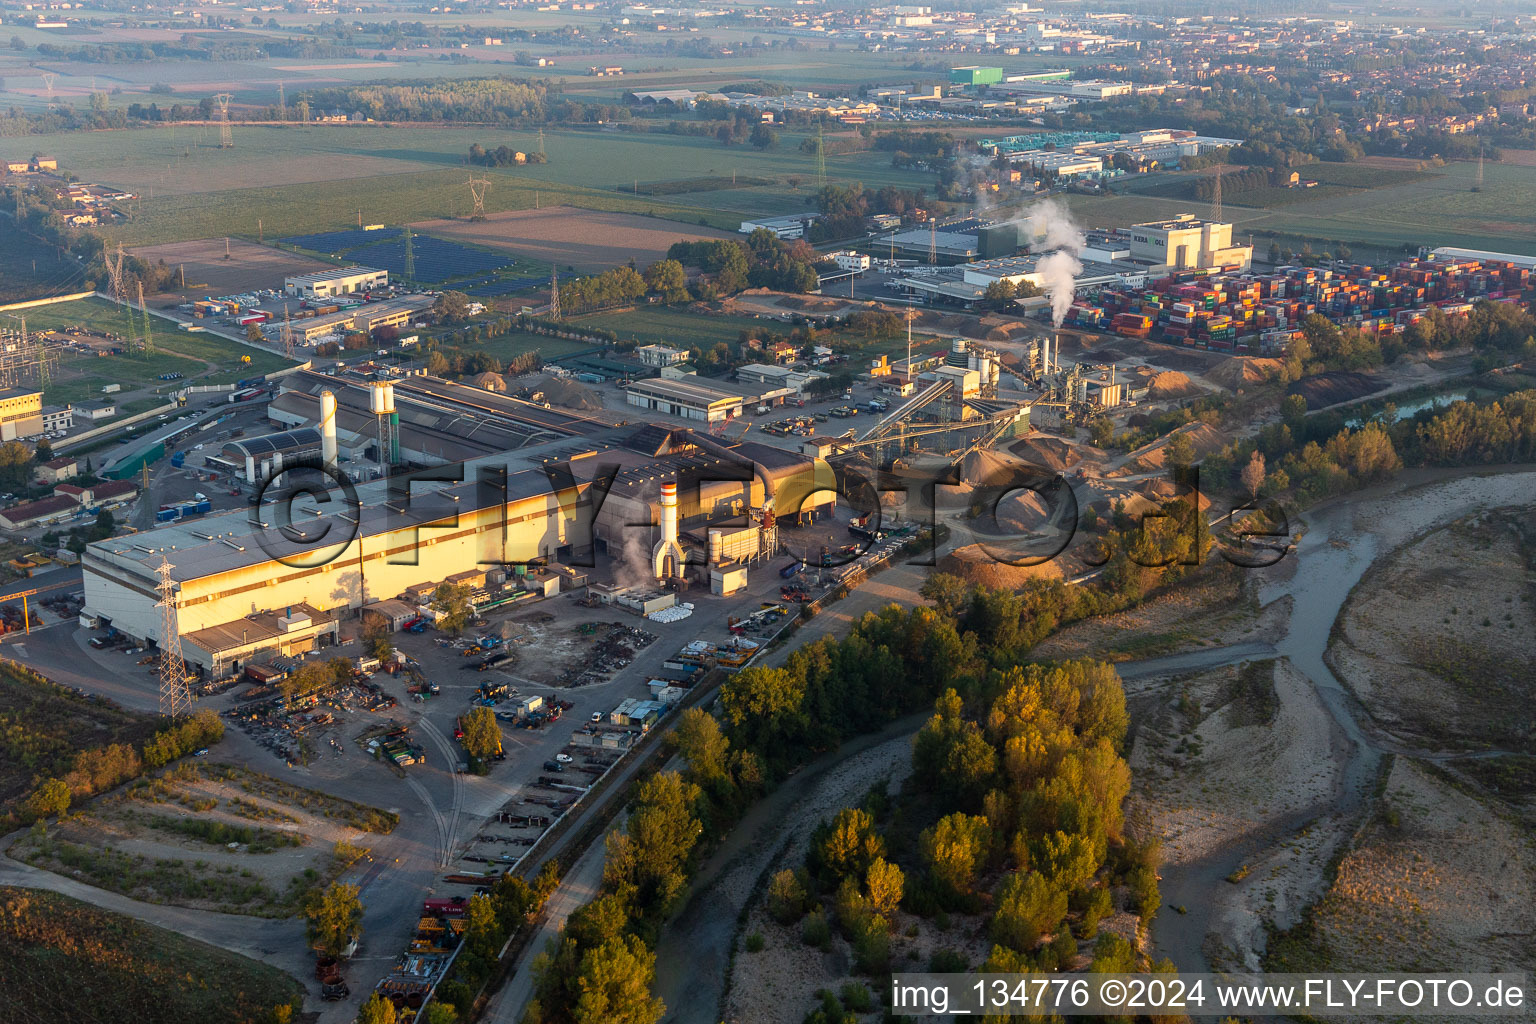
point(786, 897)
point(815, 931)
point(872, 946)
point(947, 961)
point(857, 997)
point(1145, 897)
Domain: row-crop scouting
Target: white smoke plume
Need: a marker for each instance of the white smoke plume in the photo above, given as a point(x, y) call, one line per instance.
point(1051, 227)
point(1053, 231)
point(1058, 273)
point(632, 567)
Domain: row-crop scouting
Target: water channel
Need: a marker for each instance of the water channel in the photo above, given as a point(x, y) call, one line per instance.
point(1341, 542)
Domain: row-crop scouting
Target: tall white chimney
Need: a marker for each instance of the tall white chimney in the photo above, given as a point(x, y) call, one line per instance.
point(667, 557)
point(328, 429)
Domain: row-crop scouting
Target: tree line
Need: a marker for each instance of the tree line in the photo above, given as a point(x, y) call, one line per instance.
point(502, 156)
point(1315, 456)
point(763, 261)
point(66, 771)
point(844, 209)
point(1019, 770)
point(1013, 811)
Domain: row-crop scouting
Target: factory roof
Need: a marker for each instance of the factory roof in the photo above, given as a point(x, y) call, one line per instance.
point(693, 392)
point(252, 630)
point(267, 444)
point(968, 282)
point(1518, 259)
point(331, 275)
point(223, 542)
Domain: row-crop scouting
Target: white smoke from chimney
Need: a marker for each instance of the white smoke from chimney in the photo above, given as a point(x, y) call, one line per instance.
point(1058, 277)
point(1051, 227)
point(1053, 231)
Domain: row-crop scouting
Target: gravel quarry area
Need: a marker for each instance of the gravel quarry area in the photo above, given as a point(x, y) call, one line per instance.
point(1274, 792)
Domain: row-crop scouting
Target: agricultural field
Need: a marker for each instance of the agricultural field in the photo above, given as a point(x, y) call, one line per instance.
point(115, 968)
point(1438, 208)
point(506, 347)
point(281, 181)
point(586, 240)
point(1334, 181)
point(676, 327)
point(249, 266)
point(201, 358)
point(45, 730)
point(29, 271)
point(209, 836)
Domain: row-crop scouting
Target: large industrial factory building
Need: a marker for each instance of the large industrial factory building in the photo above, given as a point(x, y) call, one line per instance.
point(571, 489)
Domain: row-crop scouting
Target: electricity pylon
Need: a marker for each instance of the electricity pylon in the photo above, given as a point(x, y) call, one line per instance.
point(477, 187)
point(226, 130)
point(149, 338)
point(175, 697)
point(554, 293)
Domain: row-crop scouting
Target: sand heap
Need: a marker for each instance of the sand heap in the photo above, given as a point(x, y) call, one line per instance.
point(983, 466)
point(1241, 371)
point(975, 564)
point(1103, 495)
point(568, 394)
point(1171, 384)
point(1022, 510)
point(1047, 452)
point(1205, 439)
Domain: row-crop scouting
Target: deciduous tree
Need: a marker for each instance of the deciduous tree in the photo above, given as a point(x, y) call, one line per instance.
point(482, 734)
point(335, 916)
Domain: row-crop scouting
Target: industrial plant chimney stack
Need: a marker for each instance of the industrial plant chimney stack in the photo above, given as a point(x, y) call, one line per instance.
point(667, 557)
point(328, 429)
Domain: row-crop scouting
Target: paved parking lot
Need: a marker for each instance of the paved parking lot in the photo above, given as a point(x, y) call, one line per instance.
point(442, 811)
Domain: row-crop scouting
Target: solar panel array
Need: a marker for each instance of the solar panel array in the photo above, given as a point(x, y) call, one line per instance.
point(506, 287)
point(436, 259)
point(340, 241)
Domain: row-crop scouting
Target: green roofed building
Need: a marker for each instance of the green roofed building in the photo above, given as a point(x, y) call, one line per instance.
point(975, 76)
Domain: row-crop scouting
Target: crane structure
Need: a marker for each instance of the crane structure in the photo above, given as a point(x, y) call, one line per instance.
point(175, 696)
point(26, 609)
